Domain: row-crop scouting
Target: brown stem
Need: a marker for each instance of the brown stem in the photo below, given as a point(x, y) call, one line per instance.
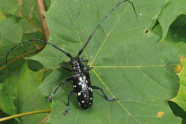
point(44, 24)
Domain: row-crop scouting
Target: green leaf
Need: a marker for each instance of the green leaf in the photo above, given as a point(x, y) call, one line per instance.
point(180, 98)
point(128, 62)
point(28, 98)
point(171, 11)
point(9, 29)
point(8, 6)
point(6, 102)
point(178, 27)
point(178, 111)
point(15, 29)
point(78, 19)
point(30, 20)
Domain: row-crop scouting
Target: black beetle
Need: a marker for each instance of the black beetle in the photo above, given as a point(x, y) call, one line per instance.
point(80, 76)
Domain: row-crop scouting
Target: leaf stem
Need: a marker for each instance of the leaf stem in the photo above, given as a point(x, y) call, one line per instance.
point(44, 24)
point(23, 114)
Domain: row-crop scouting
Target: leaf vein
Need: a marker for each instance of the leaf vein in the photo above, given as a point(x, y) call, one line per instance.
point(108, 36)
point(149, 53)
point(153, 80)
point(76, 30)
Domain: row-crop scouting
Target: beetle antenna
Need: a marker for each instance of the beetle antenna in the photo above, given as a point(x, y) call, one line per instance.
point(67, 54)
point(81, 50)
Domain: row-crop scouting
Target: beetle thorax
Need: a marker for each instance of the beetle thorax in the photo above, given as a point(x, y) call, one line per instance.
point(76, 65)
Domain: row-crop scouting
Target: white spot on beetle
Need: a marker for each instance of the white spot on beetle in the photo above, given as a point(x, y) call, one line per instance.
point(83, 82)
point(83, 101)
point(74, 85)
point(79, 93)
point(90, 89)
point(90, 98)
point(89, 103)
point(80, 78)
point(84, 78)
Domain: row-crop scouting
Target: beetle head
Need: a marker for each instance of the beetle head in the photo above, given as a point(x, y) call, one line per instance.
point(75, 60)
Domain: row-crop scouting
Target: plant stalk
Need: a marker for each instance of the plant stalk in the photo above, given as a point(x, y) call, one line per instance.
point(23, 114)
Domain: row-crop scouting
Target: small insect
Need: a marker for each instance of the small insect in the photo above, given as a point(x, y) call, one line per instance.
point(80, 76)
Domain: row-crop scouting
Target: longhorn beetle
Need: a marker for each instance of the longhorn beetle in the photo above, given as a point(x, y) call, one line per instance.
point(80, 76)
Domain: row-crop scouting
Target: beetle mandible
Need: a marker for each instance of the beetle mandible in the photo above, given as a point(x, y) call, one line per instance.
point(80, 76)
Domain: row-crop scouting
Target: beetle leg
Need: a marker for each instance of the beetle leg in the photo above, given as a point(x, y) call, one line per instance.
point(82, 58)
point(85, 62)
point(67, 108)
point(105, 96)
point(63, 82)
point(89, 68)
point(62, 65)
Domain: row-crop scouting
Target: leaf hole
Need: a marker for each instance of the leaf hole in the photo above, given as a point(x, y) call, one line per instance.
point(146, 31)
